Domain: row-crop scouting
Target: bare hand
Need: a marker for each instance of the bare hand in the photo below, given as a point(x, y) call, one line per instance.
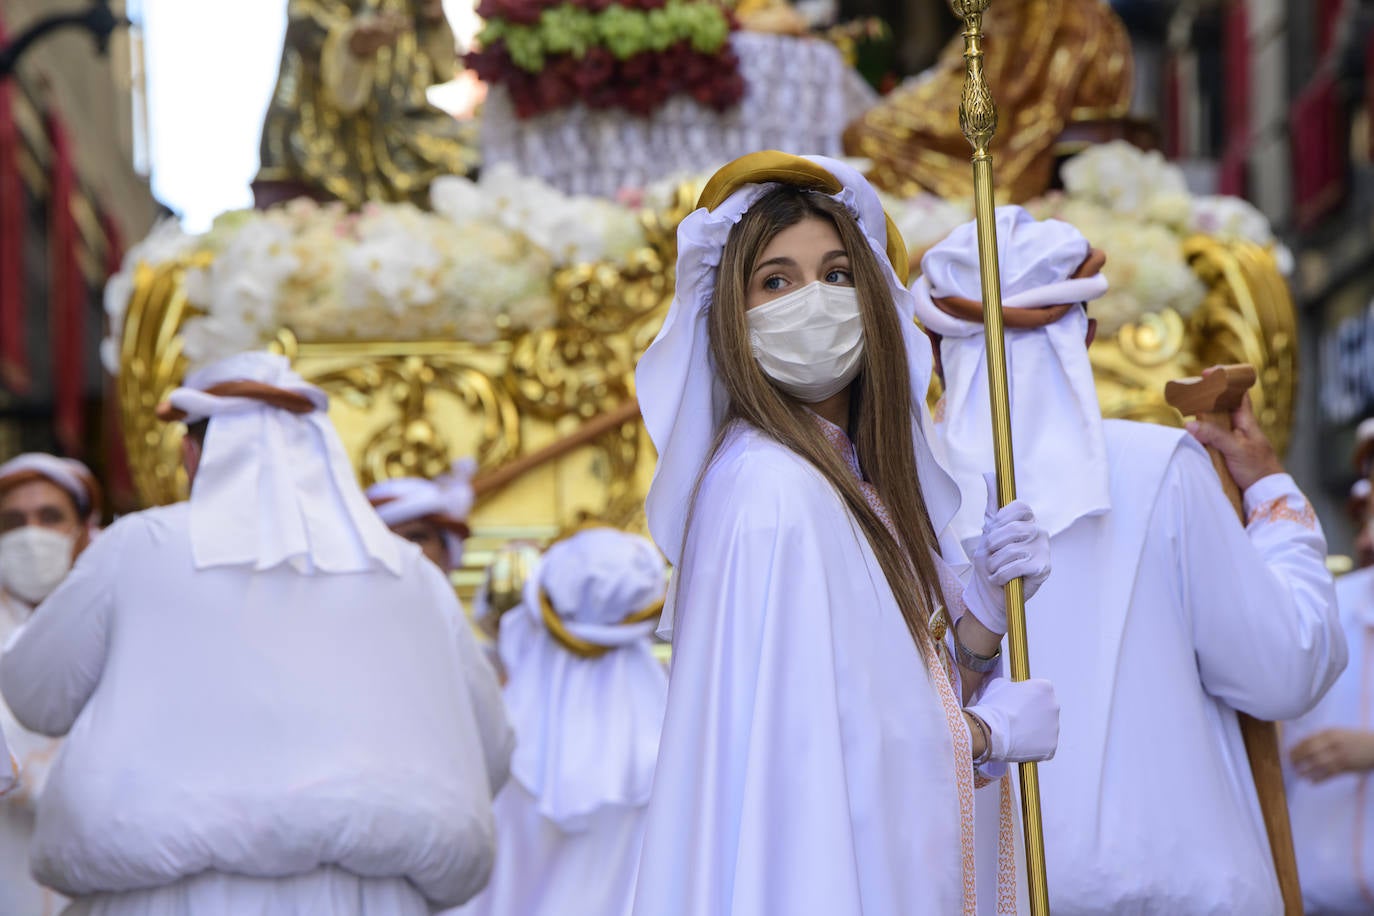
point(371, 35)
point(1332, 752)
point(1248, 454)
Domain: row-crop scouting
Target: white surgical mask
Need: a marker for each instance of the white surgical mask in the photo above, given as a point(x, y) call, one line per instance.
point(811, 341)
point(34, 561)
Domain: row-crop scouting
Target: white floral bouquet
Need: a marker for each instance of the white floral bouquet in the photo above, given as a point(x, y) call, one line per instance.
point(479, 267)
point(1136, 207)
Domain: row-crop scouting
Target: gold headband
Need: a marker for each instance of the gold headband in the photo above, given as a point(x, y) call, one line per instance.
point(582, 647)
point(784, 168)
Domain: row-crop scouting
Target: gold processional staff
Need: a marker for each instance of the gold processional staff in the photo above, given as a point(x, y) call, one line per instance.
point(978, 120)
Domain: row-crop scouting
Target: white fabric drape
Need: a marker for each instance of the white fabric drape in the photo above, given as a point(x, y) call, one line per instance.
point(272, 486)
point(1056, 423)
point(256, 723)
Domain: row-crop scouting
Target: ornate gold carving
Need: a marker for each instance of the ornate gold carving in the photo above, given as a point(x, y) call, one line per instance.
point(413, 407)
point(1247, 316)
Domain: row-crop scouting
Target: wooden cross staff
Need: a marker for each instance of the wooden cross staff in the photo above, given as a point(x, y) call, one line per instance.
point(1213, 398)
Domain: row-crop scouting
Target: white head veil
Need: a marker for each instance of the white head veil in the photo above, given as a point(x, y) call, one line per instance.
point(1060, 452)
point(587, 727)
point(446, 499)
point(274, 485)
point(67, 473)
point(682, 399)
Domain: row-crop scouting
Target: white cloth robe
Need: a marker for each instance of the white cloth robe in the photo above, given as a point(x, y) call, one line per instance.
point(1333, 821)
point(1160, 619)
point(260, 742)
point(19, 892)
point(542, 870)
point(806, 764)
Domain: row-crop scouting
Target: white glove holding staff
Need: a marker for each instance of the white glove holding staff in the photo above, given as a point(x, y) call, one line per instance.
point(1012, 546)
point(1022, 719)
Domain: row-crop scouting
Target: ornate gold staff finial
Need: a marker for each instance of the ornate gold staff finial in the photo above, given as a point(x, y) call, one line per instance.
point(978, 121)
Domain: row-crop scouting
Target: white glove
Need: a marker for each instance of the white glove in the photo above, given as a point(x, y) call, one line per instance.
point(1022, 719)
point(1012, 545)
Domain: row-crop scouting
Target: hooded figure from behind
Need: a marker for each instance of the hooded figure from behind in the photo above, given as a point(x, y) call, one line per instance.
point(586, 697)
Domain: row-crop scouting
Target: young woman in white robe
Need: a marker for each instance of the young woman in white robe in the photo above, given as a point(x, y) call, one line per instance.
point(819, 747)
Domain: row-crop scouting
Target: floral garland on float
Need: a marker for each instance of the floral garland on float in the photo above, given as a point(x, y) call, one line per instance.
point(607, 54)
point(1135, 206)
point(482, 265)
point(478, 268)
point(531, 308)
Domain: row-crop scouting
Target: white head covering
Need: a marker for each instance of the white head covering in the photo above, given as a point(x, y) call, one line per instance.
point(447, 499)
point(683, 400)
point(275, 486)
point(587, 728)
point(1060, 452)
point(69, 474)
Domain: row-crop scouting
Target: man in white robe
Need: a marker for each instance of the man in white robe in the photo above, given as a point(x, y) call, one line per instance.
point(271, 704)
point(586, 696)
point(49, 510)
point(1163, 616)
point(1330, 759)
point(432, 514)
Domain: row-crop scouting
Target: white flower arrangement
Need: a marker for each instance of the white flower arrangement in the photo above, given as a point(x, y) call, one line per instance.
point(388, 272)
point(1136, 207)
point(481, 265)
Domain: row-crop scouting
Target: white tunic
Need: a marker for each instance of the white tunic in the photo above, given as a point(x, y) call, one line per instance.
point(806, 765)
point(1161, 618)
point(244, 741)
point(19, 892)
point(1333, 821)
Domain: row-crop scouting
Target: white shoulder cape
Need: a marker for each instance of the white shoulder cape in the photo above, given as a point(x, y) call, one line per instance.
point(806, 765)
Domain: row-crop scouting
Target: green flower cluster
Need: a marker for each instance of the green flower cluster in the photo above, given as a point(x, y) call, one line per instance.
point(625, 32)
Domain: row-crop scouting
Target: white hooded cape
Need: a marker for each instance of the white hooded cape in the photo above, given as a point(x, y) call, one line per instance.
point(857, 812)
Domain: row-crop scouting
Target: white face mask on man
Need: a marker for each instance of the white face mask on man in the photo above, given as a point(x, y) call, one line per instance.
point(34, 561)
point(810, 341)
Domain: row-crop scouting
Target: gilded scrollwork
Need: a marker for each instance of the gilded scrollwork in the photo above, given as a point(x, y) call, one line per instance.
point(413, 407)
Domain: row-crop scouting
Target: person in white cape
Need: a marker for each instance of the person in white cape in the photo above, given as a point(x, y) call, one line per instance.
point(586, 696)
point(49, 511)
point(819, 747)
point(1164, 615)
point(272, 704)
point(1330, 756)
point(431, 514)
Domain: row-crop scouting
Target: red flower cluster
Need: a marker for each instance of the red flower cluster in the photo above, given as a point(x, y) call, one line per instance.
point(639, 84)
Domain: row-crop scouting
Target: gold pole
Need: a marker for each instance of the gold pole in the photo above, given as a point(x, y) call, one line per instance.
point(978, 120)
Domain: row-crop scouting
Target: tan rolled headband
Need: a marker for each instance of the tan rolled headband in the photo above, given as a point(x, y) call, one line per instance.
point(270, 395)
point(1023, 319)
point(582, 647)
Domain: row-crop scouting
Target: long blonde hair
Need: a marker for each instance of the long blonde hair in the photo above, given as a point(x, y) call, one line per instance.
point(881, 407)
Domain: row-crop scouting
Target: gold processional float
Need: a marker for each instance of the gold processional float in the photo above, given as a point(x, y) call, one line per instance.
point(547, 408)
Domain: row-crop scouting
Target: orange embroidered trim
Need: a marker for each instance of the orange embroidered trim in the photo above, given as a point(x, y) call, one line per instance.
point(963, 769)
point(1006, 852)
point(1278, 510)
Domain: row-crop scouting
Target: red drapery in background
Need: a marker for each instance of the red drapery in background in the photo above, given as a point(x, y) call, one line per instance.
point(14, 362)
point(68, 295)
point(1235, 154)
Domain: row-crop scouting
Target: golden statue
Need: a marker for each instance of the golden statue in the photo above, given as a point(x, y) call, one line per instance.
point(349, 118)
point(1049, 63)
